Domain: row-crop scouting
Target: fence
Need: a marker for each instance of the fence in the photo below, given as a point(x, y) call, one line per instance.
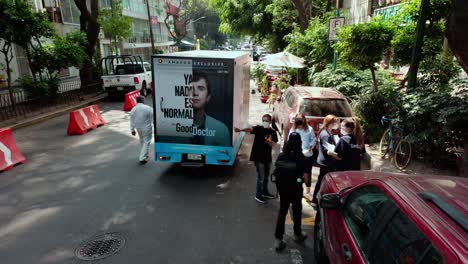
point(70, 92)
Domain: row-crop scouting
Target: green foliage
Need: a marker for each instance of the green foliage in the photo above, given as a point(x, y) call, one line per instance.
point(282, 82)
point(439, 9)
point(264, 85)
point(268, 21)
point(285, 18)
point(114, 24)
point(439, 71)
point(402, 45)
point(363, 45)
point(257, 72)
point(349, 81)
point(436, 119)
point(35, 90)
point(62, 53)
point(370, 108)
point(312, 45)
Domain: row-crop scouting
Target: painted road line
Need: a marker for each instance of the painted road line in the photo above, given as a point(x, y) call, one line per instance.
point(308, 215)
point(296, 257)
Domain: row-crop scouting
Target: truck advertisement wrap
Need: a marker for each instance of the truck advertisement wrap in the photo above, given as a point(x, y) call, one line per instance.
point(193, 102)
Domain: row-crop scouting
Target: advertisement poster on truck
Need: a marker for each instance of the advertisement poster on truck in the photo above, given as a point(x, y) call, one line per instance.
point(193, 103)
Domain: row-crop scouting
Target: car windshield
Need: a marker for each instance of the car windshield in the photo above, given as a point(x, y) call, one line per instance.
point(336, 107)
point(128, 69)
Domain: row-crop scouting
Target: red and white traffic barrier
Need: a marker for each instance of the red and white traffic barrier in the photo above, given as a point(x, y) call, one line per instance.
point(130, 100)
point(84, 119)
point(10, 155)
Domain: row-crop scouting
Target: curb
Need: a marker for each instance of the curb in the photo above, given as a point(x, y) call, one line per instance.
point(50, 115)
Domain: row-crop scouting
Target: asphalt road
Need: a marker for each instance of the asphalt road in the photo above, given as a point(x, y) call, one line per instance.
point(76, 187)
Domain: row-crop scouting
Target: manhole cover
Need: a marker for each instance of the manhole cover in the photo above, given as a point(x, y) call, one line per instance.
point(100, 247)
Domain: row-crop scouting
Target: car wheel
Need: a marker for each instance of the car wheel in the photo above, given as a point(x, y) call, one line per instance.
point(144, 91)
point(319, 250)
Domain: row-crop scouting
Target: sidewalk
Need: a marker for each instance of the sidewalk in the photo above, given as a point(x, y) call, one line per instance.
point(257, 109)
point(40, 116)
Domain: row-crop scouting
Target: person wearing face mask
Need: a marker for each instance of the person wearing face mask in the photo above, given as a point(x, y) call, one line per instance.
point(350, 146)
point(265, 139)
point(326, 144)
point(307, 134)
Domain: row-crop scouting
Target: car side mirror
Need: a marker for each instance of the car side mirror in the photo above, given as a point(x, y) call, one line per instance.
point(330, 201)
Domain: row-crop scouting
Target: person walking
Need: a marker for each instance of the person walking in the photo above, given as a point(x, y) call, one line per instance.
point(141, 120)
point(288, 175)
point(326, 146)
point(350, 146)
point(307, 134)
point(265, 139)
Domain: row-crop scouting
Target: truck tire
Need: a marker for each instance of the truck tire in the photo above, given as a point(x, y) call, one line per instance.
point(144, 91)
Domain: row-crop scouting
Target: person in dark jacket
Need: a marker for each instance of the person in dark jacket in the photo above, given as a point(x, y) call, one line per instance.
point(326, 145)
point(350, 146)
point(264, 141)
point(288, 173)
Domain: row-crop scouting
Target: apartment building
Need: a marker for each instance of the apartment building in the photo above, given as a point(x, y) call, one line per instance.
point(66, 18)
point(360, 11)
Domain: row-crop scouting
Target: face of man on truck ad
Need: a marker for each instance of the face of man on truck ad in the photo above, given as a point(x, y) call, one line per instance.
point(201, 94)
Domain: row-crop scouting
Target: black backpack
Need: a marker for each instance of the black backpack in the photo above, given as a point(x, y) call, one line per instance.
point(287, 174)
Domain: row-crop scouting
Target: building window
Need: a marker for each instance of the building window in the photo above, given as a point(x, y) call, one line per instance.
point(105, 3)
point(70, 13)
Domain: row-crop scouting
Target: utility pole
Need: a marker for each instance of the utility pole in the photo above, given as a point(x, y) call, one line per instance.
point(417, 48)
point(150, 26)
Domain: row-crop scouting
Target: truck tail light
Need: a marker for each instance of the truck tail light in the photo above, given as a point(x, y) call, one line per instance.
point(223, 161)
point(164, 158)
point(135, 80)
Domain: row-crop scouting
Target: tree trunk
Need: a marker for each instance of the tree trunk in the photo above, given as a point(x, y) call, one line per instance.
point(418, 43)
point(304, 9)
point(456, 32)
point(31, 67)
point(374, 80)
point(7, 50)
point(90, 26)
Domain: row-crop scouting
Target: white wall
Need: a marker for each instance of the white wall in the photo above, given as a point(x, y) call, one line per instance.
point(357, 11)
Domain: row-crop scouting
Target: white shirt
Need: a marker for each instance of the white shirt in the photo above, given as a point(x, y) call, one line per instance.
point(307, 137)
point(141, 117)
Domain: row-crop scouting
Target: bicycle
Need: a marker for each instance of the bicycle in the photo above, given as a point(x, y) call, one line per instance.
point(394, 141)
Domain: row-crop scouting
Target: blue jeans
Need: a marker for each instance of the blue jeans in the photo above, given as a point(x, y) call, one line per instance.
point(263, 174)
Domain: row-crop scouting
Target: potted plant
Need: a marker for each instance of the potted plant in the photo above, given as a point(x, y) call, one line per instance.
point(264, 89)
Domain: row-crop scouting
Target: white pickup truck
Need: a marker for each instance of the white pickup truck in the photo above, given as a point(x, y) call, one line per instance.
point(126, 73)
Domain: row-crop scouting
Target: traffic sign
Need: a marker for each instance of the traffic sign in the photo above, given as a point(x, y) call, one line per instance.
point(334, 25)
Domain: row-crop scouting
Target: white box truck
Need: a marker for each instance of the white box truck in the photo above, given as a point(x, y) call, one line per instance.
point(199, 97)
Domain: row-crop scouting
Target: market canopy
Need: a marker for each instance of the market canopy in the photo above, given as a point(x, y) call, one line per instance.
point(284, 59)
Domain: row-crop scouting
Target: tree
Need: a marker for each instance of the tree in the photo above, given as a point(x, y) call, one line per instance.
point(7, 37)
point(90, 26)
point(115, 25)
point(313, 44)
point(62, 52)
point(405, 35)
point(265, 20)
point(457, 34)
point(30, 37)
point(363, 45)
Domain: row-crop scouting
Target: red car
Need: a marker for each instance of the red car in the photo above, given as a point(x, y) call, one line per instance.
point(373, 217)
point(314, 102)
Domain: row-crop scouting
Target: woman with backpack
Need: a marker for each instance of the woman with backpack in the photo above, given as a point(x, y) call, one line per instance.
point(288, 173)
point(307, 134)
